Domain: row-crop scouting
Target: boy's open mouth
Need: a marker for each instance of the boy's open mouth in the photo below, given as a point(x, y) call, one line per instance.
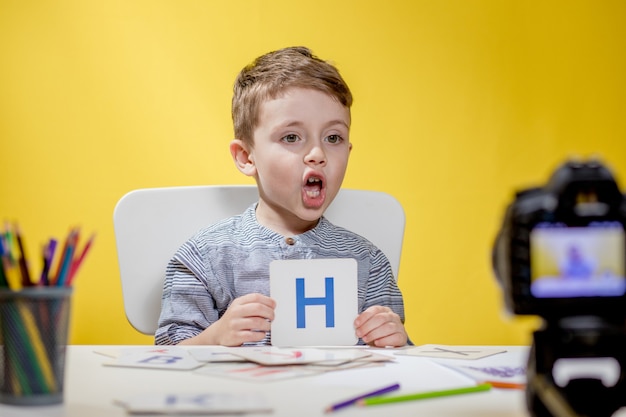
point(313, 187)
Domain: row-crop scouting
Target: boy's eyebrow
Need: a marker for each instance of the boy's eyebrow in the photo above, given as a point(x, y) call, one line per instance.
point(298, 123)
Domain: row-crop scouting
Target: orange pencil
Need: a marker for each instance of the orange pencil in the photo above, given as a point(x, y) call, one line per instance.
point(505, 385)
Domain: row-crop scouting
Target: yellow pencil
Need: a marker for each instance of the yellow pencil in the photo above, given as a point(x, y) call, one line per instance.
point(37, 344)
point(11, 273)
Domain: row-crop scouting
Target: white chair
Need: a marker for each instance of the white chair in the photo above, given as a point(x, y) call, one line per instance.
point(151, 224)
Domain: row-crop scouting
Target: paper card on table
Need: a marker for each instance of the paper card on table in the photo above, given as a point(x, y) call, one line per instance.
point(197, 404)
point(498, 373)
point(316, 302)
point(359, 364)
point(156, 357)
point(214, 354)
point(377, 357)
point(109, 352)
point(371, 358)
point(271, 355)
point(450, 352)
point(253, 372)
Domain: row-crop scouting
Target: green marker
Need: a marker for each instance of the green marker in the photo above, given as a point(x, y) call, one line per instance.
point(423, 395)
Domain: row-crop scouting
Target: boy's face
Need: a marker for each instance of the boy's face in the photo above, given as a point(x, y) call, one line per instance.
point(299, 158)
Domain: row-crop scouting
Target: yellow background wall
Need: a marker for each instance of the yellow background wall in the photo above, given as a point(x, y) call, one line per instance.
point(457, 104)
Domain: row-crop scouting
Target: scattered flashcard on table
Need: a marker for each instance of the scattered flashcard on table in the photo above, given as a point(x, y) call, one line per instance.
point(197, 404)
point(373, 357)
point(450, 352)
point(156, 357)
point(214, 354)
point(495, 373)
point(109, 352)
point(324, 367)
point(253, 372)
point(271, 355)
point(316, 302)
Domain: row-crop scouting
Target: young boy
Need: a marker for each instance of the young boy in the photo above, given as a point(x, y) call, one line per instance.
point(291, 115)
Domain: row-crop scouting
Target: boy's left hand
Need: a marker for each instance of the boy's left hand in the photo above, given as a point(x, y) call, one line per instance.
point(380, 326)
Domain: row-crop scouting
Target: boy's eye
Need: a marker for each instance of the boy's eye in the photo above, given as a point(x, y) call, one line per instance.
point(334, 138)
point(291, 138)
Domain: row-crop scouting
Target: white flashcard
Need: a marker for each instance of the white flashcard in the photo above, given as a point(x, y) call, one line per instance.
point(253, 372)
point(316, 302)
point(214, 354)
point(450, 352)
point(156, 357)
point(197, 404)
point(271, 355)
point(480, 373)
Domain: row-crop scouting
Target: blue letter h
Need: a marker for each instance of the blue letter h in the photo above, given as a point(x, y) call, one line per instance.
point(302, 302)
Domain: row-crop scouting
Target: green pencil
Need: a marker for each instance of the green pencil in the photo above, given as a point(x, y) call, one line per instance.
point(423, 395)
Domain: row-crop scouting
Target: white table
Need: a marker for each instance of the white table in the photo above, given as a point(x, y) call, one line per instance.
point(91, 388)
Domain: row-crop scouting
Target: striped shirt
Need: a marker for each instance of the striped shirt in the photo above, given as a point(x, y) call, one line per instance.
point(231, 258)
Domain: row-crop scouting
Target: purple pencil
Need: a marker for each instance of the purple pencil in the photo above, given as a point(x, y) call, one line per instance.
point(352, 401)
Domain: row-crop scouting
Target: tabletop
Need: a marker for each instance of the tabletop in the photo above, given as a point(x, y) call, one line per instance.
point(92, 389)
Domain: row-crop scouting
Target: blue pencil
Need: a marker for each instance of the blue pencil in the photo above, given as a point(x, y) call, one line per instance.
point(66, 260)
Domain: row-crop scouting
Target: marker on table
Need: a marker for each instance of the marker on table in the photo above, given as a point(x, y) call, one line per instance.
point(423, 395)
point(354, 400)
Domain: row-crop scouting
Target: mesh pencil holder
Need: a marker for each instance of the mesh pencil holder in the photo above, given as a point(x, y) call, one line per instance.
point(33, 337)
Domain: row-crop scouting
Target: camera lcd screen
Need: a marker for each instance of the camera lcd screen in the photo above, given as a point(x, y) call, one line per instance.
point(577, 261)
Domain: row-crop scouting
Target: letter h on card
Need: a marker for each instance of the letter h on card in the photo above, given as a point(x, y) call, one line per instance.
point(328, 300)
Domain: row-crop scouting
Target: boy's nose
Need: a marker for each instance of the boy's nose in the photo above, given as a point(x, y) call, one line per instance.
point(315, 155)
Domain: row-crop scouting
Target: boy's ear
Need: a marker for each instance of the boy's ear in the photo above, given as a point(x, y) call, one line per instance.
point(242, 158)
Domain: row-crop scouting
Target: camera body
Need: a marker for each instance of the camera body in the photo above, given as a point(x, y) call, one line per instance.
point(561, 250)
point(561, 254)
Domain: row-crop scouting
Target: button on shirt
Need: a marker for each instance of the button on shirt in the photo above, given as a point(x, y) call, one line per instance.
point(231, 258)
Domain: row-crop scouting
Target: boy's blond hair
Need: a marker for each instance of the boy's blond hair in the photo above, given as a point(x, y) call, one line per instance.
point(271, 74)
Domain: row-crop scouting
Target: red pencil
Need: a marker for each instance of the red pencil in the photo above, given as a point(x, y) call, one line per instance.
point(79, 260)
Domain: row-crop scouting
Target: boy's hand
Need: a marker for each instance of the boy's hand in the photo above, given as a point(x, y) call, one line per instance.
point(380, 326)
point(247, 319)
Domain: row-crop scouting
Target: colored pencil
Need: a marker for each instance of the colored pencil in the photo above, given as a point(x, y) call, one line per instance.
point(9, 260)
point(32, 326)
point(3, 280)
point(66, 260)
point(423, 395)
point(24, 352)
point(22, 258)
point(14, 265)
point(55, 277)
point(48, 256)
point(354, 400)
point(79, 260)
point(11, 273)
point(4, 283)
point(506, 385)
point(36, 342)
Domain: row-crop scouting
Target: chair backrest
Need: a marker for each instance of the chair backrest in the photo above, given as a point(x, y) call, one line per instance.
point(151, 224)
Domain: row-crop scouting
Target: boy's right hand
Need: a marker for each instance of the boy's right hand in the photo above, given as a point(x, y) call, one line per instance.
point(247, 319)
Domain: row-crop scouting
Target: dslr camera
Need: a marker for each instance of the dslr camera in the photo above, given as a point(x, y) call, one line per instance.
point(561, 254)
